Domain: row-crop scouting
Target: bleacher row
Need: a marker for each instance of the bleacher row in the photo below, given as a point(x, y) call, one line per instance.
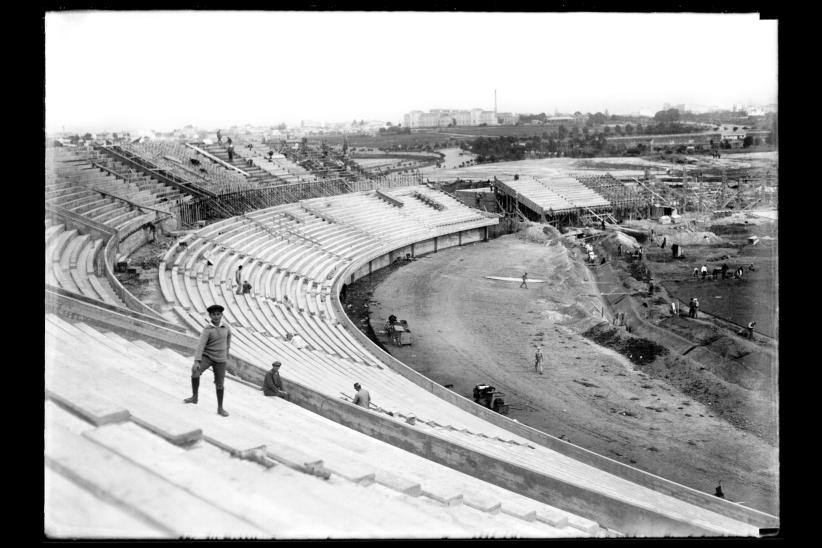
point(79, 170)
point(573, 192)
point(215, 177)
point(71, 251)
point(290, 295)
point(70, 258)
point(611, 188)
point(278, 165)
point(125, 458)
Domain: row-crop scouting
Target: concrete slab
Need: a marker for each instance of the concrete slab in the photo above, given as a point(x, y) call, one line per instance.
point(71, 512)
point(156, 500)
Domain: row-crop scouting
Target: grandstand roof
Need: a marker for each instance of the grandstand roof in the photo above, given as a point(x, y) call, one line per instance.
point(553, 195)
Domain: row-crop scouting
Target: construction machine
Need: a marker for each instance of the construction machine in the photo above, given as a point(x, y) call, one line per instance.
point(489, 397)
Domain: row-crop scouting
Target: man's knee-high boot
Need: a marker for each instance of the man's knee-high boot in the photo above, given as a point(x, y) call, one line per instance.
point(220, 409)
point(195, 387)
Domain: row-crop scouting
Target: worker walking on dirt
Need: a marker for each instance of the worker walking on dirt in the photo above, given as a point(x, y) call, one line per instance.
point(524, 280)
point(538, 360)
point(704, 271)
point(664, 241)
point(718, 492)
point(750, 329)
point(696, 272)
point(692, 308)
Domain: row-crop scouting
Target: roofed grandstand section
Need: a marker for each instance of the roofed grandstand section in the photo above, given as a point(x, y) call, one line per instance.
point(547, 197)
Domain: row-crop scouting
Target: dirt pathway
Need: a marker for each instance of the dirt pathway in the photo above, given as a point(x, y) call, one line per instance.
point(468, 329)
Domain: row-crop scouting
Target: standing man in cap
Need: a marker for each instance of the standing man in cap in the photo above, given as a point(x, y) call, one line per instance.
point(212, 351)
point(272, 384)
point(524, 280)
point(362, 397)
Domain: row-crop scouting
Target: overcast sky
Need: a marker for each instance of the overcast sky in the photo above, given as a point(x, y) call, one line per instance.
point(161, 70)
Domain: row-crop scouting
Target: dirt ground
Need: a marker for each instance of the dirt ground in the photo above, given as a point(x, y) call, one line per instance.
point(469, 329)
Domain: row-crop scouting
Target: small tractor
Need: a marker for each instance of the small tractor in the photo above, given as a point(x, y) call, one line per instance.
point(398, 331)
point(488, 396)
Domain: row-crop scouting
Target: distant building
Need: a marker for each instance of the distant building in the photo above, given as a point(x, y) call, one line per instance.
point(446, 117)
point(734, 135)
point(507, 118)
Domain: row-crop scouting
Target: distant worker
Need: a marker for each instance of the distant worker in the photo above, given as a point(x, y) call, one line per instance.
point(212, 352)
point(692, 308)
point(228, 141)
point(696, 308)
point(296, 340)
point(219, 137)
point(362, 397)
point(538, 360)
point(718, 492)
point(696, 272)
point(619, 250)
point(674, 306)
point(664, 241)
point(246, 287)
point(750, 329)
point(272, 384)
point(704, 271)
point(524, 280)
point(738, 273)
point(724, 271)
point(651, 287)
point(238, 277)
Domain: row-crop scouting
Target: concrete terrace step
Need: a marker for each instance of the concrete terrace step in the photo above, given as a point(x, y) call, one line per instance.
point(100, 470)
point(71, 511)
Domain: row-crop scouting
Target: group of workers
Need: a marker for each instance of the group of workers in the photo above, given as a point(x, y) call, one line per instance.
point(212, 353)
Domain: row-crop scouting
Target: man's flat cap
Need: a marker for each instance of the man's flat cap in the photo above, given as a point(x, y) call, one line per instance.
point(214, 308)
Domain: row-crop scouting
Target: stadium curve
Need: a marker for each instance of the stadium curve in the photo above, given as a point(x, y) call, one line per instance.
point(571, 491)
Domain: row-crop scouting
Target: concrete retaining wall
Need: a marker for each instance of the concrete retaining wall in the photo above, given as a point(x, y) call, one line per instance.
point(473, 235)
point(447, 240)
point(423, 248)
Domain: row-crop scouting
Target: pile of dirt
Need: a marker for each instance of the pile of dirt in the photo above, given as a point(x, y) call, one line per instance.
point(640, 351)
point(537, 233)
point(686, 237)
point(613, 239)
